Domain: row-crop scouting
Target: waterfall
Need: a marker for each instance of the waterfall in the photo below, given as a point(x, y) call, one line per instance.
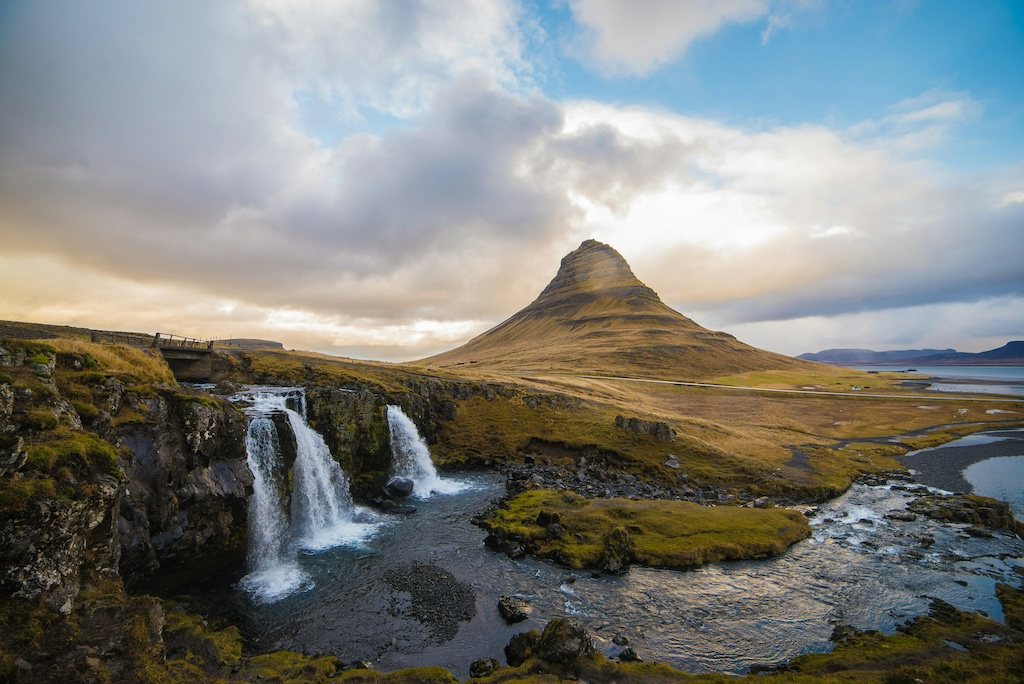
point(411, 458)
point(322, 514)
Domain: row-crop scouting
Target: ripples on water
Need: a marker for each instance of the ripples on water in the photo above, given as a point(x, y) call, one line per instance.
point(858, 568)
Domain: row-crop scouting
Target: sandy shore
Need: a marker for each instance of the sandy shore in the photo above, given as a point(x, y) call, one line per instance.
point(943, 466)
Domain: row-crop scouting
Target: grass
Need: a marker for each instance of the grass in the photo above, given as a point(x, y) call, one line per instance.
point(666, 534)
point(117, 359)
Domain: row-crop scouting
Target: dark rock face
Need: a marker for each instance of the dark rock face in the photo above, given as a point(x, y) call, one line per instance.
point(42, 553)
point(125, 481)
point(657, 429)
point(187, 489)
point(565, 642)
point(354, 426)
point(513, 609)
point(399, 487)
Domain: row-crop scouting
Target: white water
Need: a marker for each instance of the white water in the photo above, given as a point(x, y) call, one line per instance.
point(322, 514)
point(411, 458)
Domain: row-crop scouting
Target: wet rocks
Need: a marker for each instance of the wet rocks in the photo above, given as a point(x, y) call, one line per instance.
point(628, 655)
point(513, 609)
point(521, 647)
point(436, 598)
point(483, 667)
point(565, 641)
point(901, 516)
point(649, 428)
point(399, 487)
point(978, 511)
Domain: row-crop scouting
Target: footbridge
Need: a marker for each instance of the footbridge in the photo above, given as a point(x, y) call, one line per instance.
point(190, 358)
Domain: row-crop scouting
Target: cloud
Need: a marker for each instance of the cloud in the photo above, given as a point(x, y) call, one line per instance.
point(622, 38)
point(156, 171)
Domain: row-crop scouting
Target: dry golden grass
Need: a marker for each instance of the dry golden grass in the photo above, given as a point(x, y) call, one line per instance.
point(119, 359)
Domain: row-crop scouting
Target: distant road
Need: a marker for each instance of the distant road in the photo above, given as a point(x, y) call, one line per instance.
point(819, 393)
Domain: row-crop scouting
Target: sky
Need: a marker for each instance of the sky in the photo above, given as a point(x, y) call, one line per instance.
point(387, 179)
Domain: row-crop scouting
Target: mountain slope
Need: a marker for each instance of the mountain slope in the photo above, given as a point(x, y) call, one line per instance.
point(596, 317)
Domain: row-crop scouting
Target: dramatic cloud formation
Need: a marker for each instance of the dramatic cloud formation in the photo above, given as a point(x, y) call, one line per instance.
point(386, 180)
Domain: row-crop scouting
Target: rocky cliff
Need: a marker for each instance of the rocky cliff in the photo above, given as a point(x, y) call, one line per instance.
point(109, 469)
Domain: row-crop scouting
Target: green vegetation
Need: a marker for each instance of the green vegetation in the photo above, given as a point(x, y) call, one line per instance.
point(81, 452)
point(117, 359)
point(668, 534)
point(191, 634)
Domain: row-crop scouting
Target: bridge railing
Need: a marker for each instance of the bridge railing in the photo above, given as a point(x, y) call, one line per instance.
point(166, 341)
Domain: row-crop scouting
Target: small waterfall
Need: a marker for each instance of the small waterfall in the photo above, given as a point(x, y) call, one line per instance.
point(322, 514)
point(411, 458)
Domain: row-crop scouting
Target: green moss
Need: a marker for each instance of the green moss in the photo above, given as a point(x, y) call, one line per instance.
point(16, 495)
point(418, 675)
point(670, 534)
point(81, 452)
point(6, 379)
point(290, 667)
point(191, 634)
point(40, 358)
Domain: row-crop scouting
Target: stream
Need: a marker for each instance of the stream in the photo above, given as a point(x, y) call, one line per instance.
point(859, 568)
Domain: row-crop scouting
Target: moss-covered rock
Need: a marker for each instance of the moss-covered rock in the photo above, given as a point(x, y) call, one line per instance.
point(609, 533)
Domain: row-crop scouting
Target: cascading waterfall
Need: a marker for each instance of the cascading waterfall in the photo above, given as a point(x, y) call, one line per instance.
point(411, 458)
point(322, 514)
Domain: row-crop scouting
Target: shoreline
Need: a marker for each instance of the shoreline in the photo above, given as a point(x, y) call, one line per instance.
point(942, 467)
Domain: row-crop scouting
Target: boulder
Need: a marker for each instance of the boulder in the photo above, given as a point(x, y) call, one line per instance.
point(628, 655)
point(650, 428)
point(617, 553)
point(399, 487)
point(513, 609)
point(565, 642)
point(521, 647)
point(483, 667)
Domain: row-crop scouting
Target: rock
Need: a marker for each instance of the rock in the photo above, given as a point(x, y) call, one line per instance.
point(974, 510)
point(399, 487)
point(565, 642)
point(762, 502)
point(672, 462)
point(513, 609)
point(23, 665)
point(545, 518)
point(901, 516)
point(980, 532)
point(657, 429)
point(483, 667)
point(617, 553)
point(620, 640)
point(555, 531)
point(628, 655)
point(402, 509)
point(515, 551)
point(521, 647)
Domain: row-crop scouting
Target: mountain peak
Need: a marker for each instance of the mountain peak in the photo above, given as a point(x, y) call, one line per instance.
point(594, 269)
point(595, 316)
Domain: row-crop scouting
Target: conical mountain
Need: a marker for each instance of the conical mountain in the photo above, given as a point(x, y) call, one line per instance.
point(596, 317)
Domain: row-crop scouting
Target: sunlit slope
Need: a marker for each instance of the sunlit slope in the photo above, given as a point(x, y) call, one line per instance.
point(597, 317)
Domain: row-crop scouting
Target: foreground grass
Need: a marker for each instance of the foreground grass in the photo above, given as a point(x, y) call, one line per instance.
point(665, 534)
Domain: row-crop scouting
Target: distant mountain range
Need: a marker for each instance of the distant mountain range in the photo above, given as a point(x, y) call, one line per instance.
point(1010, 354)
